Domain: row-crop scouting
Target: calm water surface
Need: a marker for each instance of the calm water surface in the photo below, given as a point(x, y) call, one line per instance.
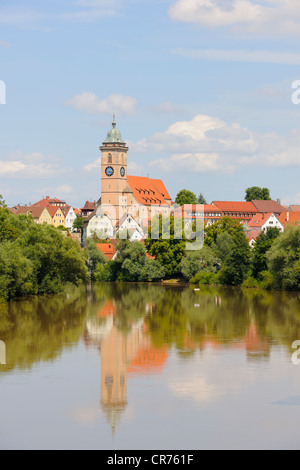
point(150, 367)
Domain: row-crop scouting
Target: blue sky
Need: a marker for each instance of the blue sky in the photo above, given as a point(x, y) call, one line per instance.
point(201, 90)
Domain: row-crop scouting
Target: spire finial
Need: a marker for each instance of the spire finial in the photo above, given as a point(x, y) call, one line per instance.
point(114, 120)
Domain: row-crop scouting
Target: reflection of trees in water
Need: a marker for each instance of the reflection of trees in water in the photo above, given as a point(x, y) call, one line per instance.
point(38, 329)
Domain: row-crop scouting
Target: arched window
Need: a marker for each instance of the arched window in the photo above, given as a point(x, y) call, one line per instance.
point(109, 158)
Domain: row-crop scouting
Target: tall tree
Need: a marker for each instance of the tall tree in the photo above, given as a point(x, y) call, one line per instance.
point(263, 244)
point(201, 199)
point(185, 197)
point(256, 193)
point(284, 259)
point(168, 245)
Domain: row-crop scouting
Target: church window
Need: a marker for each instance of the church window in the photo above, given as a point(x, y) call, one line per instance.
point(109, 158)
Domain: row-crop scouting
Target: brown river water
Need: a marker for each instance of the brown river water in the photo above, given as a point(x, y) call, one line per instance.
point(142, 366)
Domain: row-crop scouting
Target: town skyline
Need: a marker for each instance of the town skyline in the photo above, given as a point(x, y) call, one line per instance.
point(202, 104)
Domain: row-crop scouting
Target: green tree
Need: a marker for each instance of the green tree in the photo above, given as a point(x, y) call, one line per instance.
point(185, 197)
point(200, 260)
point(167, 242)
point(2, 202)
point(201, 199)
point(223, 246)
point(232, 250)
point(226, 224)
point(36, 259)
point(236, 266)
point(256, 193)
point(263, 244)
point(131, 264)
point(78, 223)
point(94, 258)
point(284, 259)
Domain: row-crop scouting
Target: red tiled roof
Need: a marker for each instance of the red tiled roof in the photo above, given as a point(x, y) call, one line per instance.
point(48, 201)
point(90, 206)
point(35, 211)
point(259, 219)
point(161, 188)
point(295, 207)
point(145, 192)
point(252, 234)
point(108, 249)
point(289, 218)
point(268, 206)
point(53, 209)
point(235, 206)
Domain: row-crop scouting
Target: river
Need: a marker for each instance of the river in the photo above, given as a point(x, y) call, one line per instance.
point(134, 366)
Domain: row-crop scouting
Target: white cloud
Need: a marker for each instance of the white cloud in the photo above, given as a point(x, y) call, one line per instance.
point(135, 169)
point(96, 165)
point(209, 144)
point(238, 55)
point(91, 10)
point(34, 165)
point(91, 103)
point(64, 189)
point(260, 17)
point(18, 16)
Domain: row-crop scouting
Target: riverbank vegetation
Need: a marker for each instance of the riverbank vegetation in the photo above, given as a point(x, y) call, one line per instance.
point(36, 259)
point(225, 258)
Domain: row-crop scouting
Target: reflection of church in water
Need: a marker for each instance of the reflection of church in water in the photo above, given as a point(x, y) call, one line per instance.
point(132, 353)
point(122, 354)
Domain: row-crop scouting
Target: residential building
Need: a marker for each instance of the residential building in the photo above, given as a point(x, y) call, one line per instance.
point(70, 217)
point(208, 212)
point(97, 224)
point(262, 221)
point(268, 207)
point(57, 215)
point(88, 208)
point(47, 201)
point(243, 211)
point(40, 214)
point(129, 225)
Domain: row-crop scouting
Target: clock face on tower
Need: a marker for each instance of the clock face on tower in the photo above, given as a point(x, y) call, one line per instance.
point(109, 171)
point(122, 171)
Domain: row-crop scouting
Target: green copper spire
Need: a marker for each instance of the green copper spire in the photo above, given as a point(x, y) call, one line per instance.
point(114, 135)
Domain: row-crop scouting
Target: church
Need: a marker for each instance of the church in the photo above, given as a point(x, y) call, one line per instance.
point(122, 194)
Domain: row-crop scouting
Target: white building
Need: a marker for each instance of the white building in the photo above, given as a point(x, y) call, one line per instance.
point(263, 221)
point(70, 217)
point(128, 225)
point(97, 224)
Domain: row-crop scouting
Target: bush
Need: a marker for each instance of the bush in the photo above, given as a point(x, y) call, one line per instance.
point(205, 278)
point(251, 283)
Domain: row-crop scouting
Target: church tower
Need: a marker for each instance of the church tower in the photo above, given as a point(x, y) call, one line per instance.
point(114, 183)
